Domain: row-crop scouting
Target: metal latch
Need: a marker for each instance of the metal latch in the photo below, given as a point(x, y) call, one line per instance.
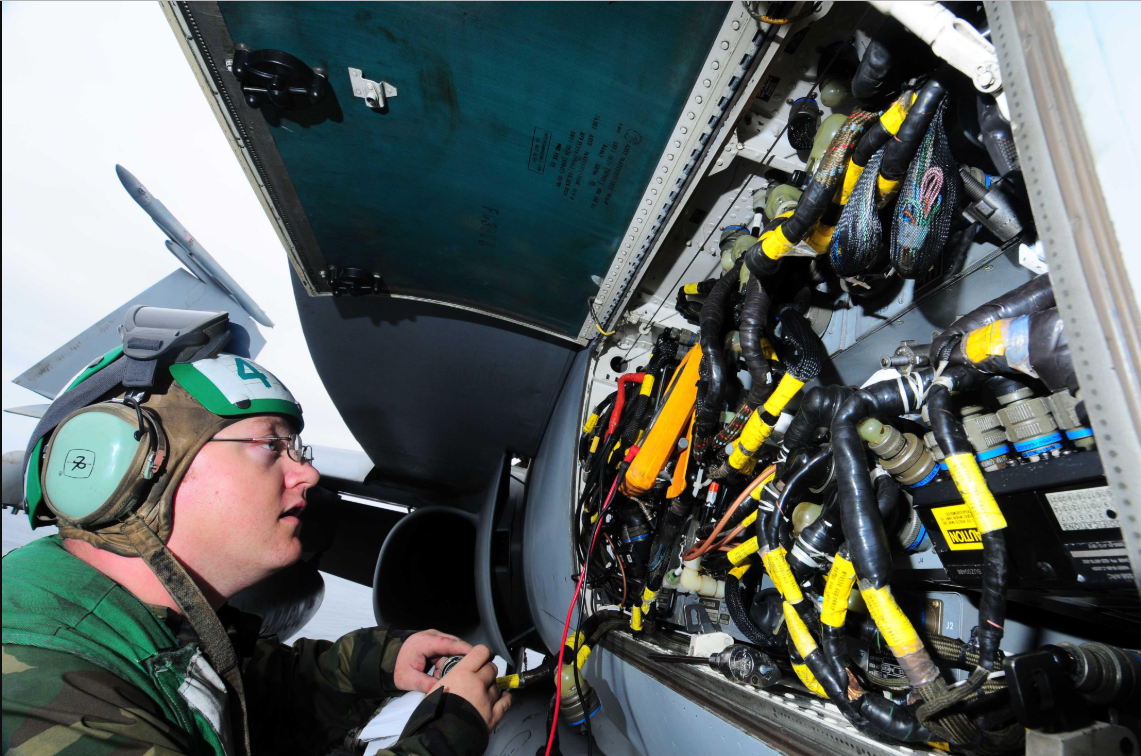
point(375, 93)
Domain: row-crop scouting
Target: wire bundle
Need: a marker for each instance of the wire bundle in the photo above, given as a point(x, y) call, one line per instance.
point(859, 233)
point(922, 219)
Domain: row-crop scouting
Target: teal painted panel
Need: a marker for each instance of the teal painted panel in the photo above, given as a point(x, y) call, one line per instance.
point(513, 158)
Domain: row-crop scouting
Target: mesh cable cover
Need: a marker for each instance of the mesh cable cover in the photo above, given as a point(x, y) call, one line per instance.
point(922, 218)
point(859, 233)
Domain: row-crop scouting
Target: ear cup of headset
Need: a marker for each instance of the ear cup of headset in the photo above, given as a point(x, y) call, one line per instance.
point(95, 470)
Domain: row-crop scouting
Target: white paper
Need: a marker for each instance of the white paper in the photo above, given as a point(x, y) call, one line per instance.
point(384, 729)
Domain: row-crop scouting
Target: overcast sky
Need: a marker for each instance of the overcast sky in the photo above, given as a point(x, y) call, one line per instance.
point(86, 86)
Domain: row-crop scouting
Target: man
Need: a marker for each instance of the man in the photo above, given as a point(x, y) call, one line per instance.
point(117, 637)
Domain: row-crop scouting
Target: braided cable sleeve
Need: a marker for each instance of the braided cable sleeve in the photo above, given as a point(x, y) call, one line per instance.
point(803, 354)
point(744, 622)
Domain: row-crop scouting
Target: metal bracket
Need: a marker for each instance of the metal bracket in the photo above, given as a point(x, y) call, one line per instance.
point(375, 93)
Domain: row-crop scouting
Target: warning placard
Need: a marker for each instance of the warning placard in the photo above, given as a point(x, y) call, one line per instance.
point(959, 527)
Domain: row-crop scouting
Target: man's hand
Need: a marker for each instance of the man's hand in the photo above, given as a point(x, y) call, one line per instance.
point(418, 653)
point(473, 679)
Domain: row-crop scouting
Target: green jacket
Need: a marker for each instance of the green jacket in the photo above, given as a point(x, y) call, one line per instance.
point(89, 669)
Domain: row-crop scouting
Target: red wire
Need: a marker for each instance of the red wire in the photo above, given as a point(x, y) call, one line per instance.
point(570, 609)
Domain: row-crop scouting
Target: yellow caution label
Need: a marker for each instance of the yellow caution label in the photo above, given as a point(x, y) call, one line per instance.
point(590, 423)
point(892, 622)
point(739, 572)
point(781, 575)
point(742, 552)
point(841, 578)
point(690, 288)
point(798, 631)
point(805, 674)
point(507, 682)
point(975, 492)
point(960, 530)
point(985, 342)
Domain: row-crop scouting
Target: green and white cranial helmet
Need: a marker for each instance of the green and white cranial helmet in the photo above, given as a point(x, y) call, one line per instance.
point(106, 451)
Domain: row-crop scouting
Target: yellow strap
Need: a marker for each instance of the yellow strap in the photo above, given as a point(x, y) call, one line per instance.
point(590, 423)
point(742, 552)
point(594, 444)
point(690, 288)
point(583, 655)
point(775, 244)
point(785, 391)
point(851, 176)
point(768, 351)
point(507, 682)
point(986, 341)
point(648, 597)
point(636, 619)
point(973, 488)
point(739, 572)
point(805, 674)
point(781, 574)
point(892, 118)
point(841, 578)
point(647, 385)
point(897, 629)
point(798, 631)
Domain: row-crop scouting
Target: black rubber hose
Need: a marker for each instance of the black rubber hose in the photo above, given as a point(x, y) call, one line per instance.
point(873, 82)
point(892, 719)
point(664, 540)
point(817, 408)
point(754, 317)
point(1050, 351)
point(813, 202)
point(887, 497)
point(902, 149)
point(712, 320)
point(744, 622)
point(817, 540)
point(875, 137)
point(689, 310)
point(1033, 296)
point(863, 528)
point(952, 439)
point(815, 470)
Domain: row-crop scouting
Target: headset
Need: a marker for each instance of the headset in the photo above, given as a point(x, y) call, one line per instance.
point(101, 461)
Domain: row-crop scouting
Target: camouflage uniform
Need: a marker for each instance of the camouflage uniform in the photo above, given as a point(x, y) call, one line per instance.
point(308, 698)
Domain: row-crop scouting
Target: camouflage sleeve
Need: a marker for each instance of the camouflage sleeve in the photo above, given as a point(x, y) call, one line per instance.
point(56, 703)
point(310, 696)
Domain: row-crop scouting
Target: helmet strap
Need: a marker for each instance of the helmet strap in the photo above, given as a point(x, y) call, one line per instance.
point(193, 604)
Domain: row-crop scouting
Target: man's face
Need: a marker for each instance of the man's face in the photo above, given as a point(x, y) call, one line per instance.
point(235, 511)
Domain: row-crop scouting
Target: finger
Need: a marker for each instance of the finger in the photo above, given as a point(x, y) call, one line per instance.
point(487, 674)
point(422, 682)
point(446, 645)
point(493, 693)
point(476, 658)
point(500, 708)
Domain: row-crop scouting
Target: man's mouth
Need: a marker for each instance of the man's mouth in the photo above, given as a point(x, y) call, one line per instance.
point(294, 511)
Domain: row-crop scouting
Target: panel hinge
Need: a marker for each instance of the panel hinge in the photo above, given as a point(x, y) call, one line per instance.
point(375, 93)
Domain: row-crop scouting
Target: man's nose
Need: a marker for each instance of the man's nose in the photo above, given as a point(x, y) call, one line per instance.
point(301, 473)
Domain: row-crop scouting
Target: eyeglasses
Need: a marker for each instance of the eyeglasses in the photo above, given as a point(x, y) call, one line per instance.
point(291, 445)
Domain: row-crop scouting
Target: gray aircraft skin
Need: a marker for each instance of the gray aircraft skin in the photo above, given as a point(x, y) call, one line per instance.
point(187, 249)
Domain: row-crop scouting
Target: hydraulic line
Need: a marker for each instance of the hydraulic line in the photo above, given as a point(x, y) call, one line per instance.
point(968, 478)
point(803, 355)
point(1030, 297)
point(713, 359)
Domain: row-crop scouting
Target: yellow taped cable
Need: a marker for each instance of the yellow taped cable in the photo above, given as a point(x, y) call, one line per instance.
point(986, 341)
point(892, 118)
point(590, 423)
point(805, 674)
point(781, 574)
point(897, 629)
point(636, 619)
point(851, 176)
point(886, 187)
point(785, 391)
point(739, 572)
point(507, 682)
point(742, 552)
point(775, 244)
point(594, 444)
point(583, 655)
point(798, 631)
point(690, 288)
point(819, 237)
point(841, 578)
point(647, 385)
point(648, 597)
point(975, 492)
